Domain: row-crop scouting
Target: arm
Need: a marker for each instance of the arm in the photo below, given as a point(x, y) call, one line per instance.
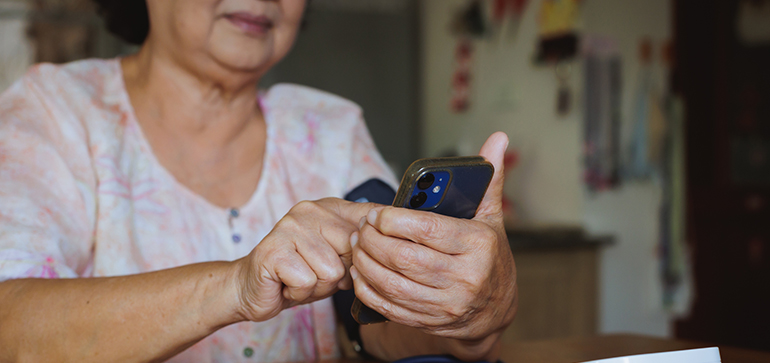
point(47, 217)
point(145, 317)
point(152, 316)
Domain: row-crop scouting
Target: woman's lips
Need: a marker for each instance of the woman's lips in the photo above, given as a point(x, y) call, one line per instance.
point(251, 24)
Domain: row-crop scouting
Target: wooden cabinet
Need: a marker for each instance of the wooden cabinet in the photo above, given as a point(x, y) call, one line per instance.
point(557, 292)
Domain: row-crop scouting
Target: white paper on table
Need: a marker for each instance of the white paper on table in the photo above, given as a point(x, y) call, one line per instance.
point(702, 355)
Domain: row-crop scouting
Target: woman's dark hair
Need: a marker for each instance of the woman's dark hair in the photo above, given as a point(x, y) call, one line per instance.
point(128, 19)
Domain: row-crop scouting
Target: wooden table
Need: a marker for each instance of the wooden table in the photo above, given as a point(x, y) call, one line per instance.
point(570, 350)
point(575, 350)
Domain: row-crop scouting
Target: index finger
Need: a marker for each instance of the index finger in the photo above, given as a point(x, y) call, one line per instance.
point(442, 233)
point(352, 212)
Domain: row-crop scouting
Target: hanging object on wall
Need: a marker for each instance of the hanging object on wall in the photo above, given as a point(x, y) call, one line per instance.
point(461, 78)
point(506, 15)
point(558, 31)
point(602, 113)
point(508, 8)
point(469, 21)
point(563, 72)
point(675, 267)
point(558, 44)
point(649, 130)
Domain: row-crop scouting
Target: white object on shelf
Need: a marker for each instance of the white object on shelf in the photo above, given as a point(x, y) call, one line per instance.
point(702, 355)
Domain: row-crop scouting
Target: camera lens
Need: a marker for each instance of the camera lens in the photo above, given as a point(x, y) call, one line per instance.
point(425, 181)
point(418, 200)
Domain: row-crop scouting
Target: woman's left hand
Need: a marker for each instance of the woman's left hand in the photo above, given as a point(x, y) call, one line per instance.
point(449, 277)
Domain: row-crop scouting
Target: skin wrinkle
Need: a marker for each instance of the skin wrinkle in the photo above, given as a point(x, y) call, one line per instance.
point(462, 316)
point(432, 231)
point(386, 291)
point(373, 244)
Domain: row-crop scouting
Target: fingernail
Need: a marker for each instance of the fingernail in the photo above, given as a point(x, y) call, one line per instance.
point(353, 239)
point(372, 216)
point(353, 273)
point(361, 222)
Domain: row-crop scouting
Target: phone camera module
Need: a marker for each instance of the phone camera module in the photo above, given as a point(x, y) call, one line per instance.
point(426, 181)
point(418, 200)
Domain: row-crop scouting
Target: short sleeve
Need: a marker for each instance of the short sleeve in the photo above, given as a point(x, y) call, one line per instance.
point(47, 186)
point(366, 162)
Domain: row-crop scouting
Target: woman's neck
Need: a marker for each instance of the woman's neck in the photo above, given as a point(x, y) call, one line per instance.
point(209, 102)
point(205, 127)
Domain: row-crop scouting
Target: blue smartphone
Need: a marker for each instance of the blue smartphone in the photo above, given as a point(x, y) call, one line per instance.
point(452, 186)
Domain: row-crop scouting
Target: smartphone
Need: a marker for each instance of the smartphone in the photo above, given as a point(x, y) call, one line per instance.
point(452, 186)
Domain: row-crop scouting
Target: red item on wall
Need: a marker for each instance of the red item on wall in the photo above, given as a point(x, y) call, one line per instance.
point(508, 7)
point(461, 79)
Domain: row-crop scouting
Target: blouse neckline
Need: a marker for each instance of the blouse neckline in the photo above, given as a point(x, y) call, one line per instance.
point(132, 122)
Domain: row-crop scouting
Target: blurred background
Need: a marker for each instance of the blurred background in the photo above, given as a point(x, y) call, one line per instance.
point(638, 174)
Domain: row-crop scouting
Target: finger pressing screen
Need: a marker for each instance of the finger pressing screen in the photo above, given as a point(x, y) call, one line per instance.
point(351, 212)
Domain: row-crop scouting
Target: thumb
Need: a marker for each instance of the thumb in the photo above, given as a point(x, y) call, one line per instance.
point(494, 151)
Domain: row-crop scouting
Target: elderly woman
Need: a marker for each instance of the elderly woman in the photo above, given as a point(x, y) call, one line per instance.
point(155, 207)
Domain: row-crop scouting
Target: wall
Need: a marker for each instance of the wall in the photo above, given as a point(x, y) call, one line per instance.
point(63, 31)
point(15, 50)
point(512, 95)
point(629, 289)
point(366, 52)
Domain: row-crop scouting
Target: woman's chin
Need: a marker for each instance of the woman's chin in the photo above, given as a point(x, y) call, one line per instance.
point(243, 60)
point(239, 51)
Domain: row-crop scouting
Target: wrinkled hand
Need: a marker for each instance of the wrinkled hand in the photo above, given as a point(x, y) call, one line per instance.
point(304, 258)
point(450, 277)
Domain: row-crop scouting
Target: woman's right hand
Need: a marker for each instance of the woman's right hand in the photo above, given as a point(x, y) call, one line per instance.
point(306, 257)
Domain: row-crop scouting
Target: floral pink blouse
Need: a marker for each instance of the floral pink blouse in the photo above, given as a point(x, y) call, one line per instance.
point(82, 195)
